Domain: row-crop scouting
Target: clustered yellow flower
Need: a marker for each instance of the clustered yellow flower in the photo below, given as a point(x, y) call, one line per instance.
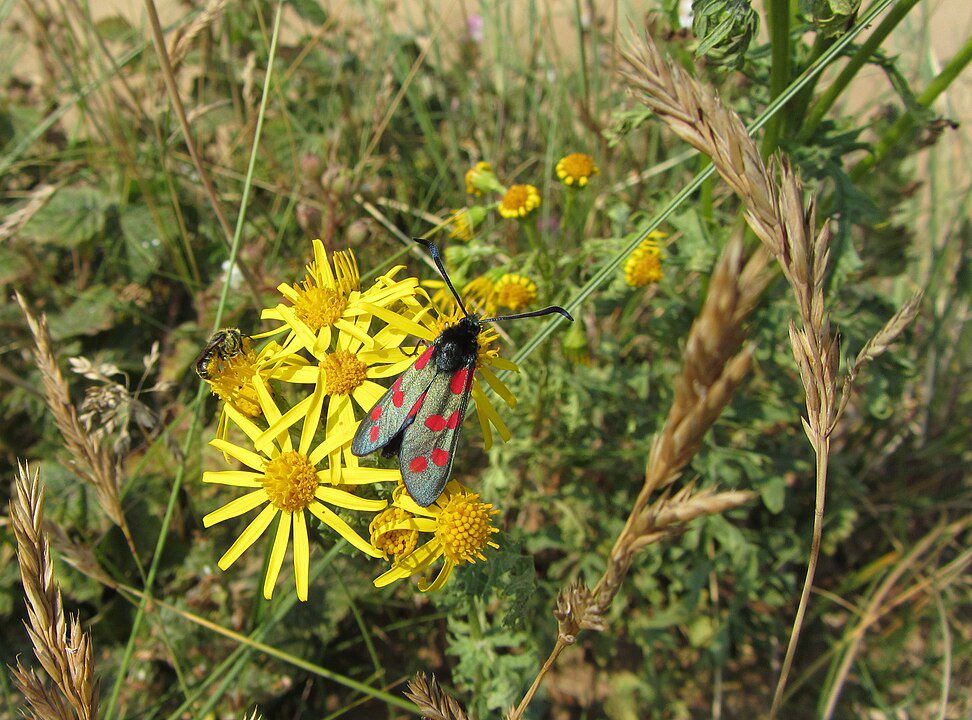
point(576, 169)
point(341, 341)
point(643, 266)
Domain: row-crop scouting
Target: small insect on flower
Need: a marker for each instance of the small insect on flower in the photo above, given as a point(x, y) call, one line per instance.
point(223, 345)
point(420, 416)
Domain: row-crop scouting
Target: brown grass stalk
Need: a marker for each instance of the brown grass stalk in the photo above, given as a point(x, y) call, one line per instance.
point(773, 203)
point(90, 459)
point(61, 647)
point(714, 363)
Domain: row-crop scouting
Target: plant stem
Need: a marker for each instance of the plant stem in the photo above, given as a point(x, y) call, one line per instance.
point(853, 66)
point(551, 659)
point(822, 447)
point(906, 122)
point(778, 14)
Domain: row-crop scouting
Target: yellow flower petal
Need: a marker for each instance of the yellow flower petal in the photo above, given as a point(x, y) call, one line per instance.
point(344, 499)
point(367, 394)
point(244, 423)
point(498, 387)
point(440, 579)
point(364, 475)
point(329, 518)
point(313, 417)
point(249, 536)
point(236, 507)
point(301, 555)
point(247, 457)
point(397, 321)
point(234, 478)
point(278, 428)
point(277, 554)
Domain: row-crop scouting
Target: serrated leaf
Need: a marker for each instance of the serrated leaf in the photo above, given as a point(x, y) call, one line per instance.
point(73, 216)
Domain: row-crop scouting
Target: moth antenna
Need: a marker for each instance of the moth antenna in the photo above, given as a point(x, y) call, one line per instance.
point(437, 258)
point(536, 313)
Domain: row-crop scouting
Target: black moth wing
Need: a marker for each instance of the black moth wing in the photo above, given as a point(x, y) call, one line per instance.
point(389, 415)
point(429, 443)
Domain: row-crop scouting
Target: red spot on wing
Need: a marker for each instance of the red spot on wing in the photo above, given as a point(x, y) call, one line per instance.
point(435, 423)
point(417, 405)
point(397, 385)
point(376, 412)
point(398, 397)
point(418, 464)
point(423, 359)
point(440, 457)
point(458, 382)
point(373, 435)
point(453, 420)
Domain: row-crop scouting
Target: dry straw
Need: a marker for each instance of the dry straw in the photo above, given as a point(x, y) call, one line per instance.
point(90, 459)
point(61, 647)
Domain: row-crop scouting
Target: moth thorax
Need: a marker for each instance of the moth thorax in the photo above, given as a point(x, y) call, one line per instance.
point(458, 345)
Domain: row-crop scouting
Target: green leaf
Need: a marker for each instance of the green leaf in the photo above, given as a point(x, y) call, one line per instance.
point(696, 246)
point(114, 27)
point(143, 245)
point(91, 312)
point(773, 493)
point(310, 10)
point(73, 216)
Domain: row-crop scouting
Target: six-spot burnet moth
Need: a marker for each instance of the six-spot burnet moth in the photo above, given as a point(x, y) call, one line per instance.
point(420, 416)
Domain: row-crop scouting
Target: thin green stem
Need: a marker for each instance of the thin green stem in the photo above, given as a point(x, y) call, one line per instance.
point(827, 99)
point(778, 14)
point(197, 403)
point(891, 137)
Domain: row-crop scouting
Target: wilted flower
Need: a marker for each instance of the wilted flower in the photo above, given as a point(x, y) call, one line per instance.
point(464, 222)
point(480, 179)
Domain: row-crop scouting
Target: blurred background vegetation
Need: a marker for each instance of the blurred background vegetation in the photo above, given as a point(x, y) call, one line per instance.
point(375, 112)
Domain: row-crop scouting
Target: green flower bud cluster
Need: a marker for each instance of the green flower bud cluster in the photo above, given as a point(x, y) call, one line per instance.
point(724, 29)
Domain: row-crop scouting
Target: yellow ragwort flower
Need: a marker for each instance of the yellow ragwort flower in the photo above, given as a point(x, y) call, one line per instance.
point(514, 292)
point(349, 373)
point(480, 179)
point(519, 201)
point(576, 169)
point(331, 298)
point(286, 480)
point(461, 528)
point(643, 266)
